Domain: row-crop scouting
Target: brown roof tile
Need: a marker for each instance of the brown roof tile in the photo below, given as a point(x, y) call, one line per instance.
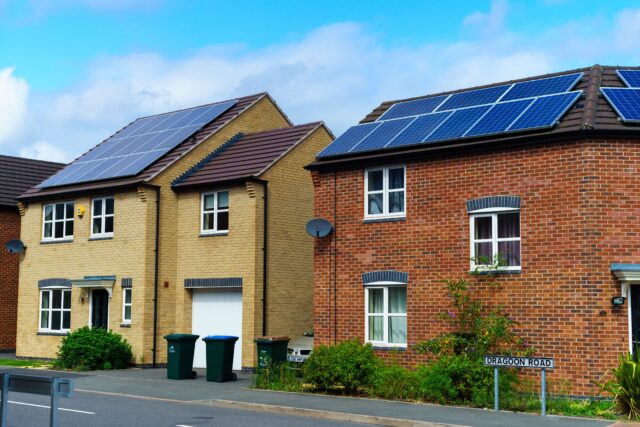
point(245, 156)
point(159, 165)
point(18, 174)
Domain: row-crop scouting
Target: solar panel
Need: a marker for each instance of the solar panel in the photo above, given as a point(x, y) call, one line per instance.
point(352, 136)
point(533, 88)
point(473, 97)
point(545, 111)
point(413, 108)
point(419, 130)
point(137, 145)
point(626, 102)
point(458, 123)
point(630, 77)
point(383, 133)
point(499, 118)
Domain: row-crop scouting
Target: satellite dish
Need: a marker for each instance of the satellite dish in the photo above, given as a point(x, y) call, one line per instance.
point(15, 246)
point(319, 227)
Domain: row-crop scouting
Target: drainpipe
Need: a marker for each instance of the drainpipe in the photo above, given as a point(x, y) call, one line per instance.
point(265, 243)
point(335, 258)
point(155, 280)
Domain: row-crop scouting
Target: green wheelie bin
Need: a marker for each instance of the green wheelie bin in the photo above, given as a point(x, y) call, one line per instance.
point(271, 350)
point(220, 357)
point(180, 348)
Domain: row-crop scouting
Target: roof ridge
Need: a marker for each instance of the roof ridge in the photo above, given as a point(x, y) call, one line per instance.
point(32, 160)
point(591, 97)
point(206, 159)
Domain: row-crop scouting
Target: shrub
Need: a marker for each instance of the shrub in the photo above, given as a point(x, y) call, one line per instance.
point(625, 385)
point(348, 366)
point(89, 349)
point(461, 380)
point(277, 377)
point(394, 382)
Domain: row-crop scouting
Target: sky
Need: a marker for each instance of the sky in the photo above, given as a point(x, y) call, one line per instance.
point(72, 72)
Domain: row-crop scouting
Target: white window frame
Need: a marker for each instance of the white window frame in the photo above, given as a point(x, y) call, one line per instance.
point(50, 310)
point(385, 193)
point(126, 321)
point(385, 315)
point(215, 212)
point(55, 220)
point(493, 213)
point(103, 216)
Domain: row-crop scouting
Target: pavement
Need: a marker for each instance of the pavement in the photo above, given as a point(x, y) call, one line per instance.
point(152, 384)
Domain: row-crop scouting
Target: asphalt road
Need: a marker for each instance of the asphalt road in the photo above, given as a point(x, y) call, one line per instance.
point(94, 410)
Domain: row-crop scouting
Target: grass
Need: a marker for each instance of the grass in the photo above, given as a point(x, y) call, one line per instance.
point(26, 363)
point(568, 407)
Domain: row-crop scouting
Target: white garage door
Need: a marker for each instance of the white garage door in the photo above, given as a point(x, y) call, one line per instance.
point(217, 312)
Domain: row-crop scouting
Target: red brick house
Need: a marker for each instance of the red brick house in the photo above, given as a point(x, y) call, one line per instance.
point(544, 171)
point(16, 176)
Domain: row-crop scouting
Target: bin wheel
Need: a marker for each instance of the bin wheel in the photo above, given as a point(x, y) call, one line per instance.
point(194, 375)
point(234, 376)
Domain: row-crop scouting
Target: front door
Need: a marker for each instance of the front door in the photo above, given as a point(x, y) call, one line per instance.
point(99, 308)
point(634, 306)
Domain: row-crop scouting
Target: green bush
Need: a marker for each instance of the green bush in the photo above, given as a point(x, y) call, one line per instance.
point(347, 366)
point(88, 349)
point(460, 380)
point(394, 382)
point(625, 385)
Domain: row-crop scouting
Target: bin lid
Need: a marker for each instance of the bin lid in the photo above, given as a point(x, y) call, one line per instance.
point(265, 340)
point(220, 338)
point(181, 337)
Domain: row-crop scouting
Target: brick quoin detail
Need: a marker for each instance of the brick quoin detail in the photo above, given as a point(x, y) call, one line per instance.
point(579, 213)
point(9, 263)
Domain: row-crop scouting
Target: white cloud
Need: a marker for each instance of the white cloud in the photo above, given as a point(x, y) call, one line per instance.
point(336, 73)
point(14, 93)
point(627, 34)
point(43, 150)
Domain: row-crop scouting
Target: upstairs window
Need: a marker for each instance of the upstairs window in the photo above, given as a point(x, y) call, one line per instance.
point(495, 240)
point(58, 221)
point(102, 211)
point(215, 213)
point(384, 192)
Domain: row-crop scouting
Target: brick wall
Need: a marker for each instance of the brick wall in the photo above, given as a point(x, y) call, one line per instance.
point(579, 213)
point(9, 229)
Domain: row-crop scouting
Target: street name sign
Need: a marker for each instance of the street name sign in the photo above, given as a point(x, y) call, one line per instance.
point(519, 362)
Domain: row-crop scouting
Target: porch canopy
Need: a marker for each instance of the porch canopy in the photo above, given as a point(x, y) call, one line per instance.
point(93, 282)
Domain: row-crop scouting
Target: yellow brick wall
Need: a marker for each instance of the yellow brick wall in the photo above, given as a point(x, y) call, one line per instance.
point(125, 255)
point(231, 255)
point(173, 300)
point(290, 256)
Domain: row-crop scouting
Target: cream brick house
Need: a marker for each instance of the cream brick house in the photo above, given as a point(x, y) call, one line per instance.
point(161, 228)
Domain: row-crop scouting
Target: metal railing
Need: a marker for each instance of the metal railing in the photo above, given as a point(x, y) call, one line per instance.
point(47, 386)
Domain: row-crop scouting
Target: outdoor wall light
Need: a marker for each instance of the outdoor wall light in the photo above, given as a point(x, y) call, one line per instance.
point(617, 301)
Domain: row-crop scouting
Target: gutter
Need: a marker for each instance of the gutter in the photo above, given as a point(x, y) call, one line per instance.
point(155, 280)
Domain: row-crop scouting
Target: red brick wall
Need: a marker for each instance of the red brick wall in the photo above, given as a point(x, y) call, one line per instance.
point(580, 212)
point(9, 229)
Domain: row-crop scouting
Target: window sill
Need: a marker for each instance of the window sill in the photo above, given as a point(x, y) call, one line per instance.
point(125, 325)
point(390, 347)
point(93, 238)
point(56, 334)
point(216, 234)
point(491, 272)
point(53, 242)
point(385, 219)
